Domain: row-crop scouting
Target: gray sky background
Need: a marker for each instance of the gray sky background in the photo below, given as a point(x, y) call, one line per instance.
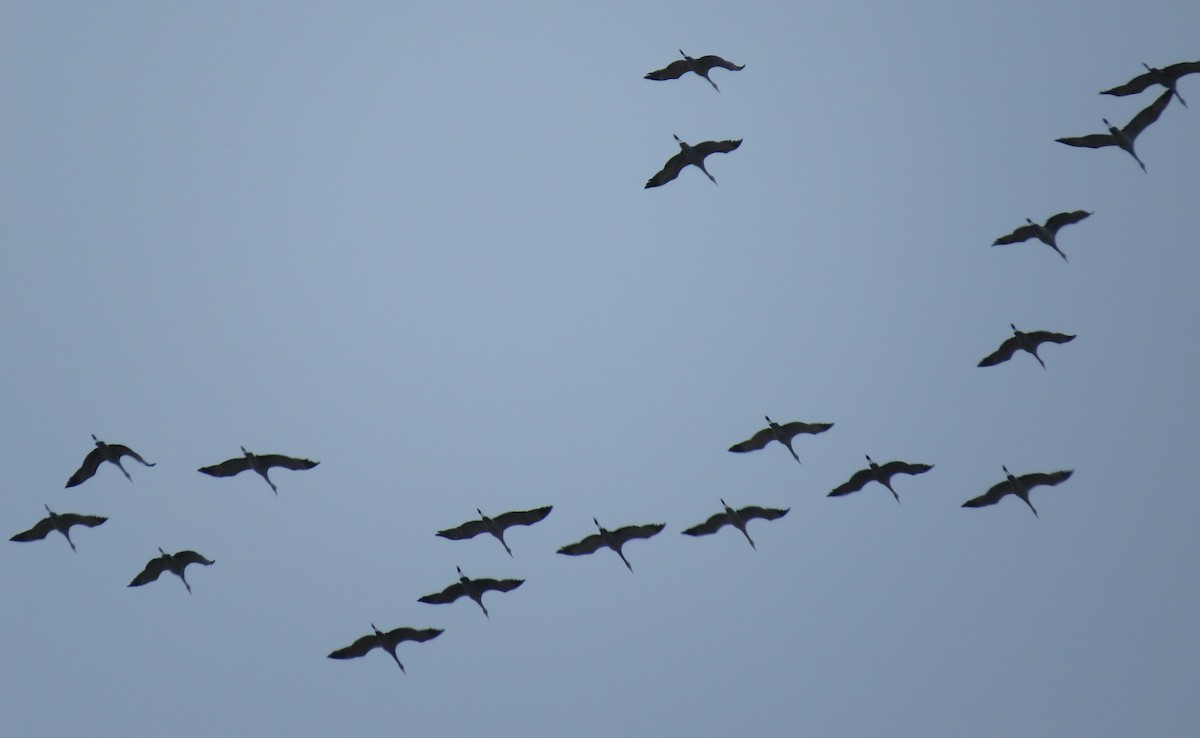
point(412, 243)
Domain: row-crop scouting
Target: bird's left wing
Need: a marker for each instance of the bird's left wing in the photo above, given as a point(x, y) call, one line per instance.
point(705, 148)
point(361, 647)
point(1091, 141)
point(447, 595)
point(674, 70)
point(287, 462)
point(1148, 115)
point(708, 527)
point(1064, 219)
point(227, 468)
point(469, 529)
point(762, 513)
point(523, 517)
point(588, 545)
point(669, 171)
point(1002, 354)
point(711, 60)
point(1048, 478)
point(857, 481)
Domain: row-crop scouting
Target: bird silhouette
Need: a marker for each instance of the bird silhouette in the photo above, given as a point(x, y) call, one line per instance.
point(387, 641)
point(613, 539)
point(111, 452)
point(1167, 77)
point(473, 588)
point(736, 518)
point(260, 464)
point(1019, 486)
point(1044, 233)
point(881, 473)
point(1123, 137)
point(693, 155)
point(1022, 341)
point(783, 433)
point(175, 563)
point(701, 66)
point(59, 522)
point(497, 525)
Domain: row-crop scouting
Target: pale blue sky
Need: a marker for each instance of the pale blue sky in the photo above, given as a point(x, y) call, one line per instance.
point(412, 243)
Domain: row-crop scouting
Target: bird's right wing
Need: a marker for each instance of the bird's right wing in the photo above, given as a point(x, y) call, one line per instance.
point(630, 532)
point(91, 463)
point(754, 442)
point(708, 527)
point(1002, 354)
point(469, 529)
point(120, 451)
point(761, 513)
point(1132, 87)
point(711, 60)
point(191, 557)
point(227, 468)
point(498, 585)
point(857, 481)
point(669, 171)
point(903, 467)
point(591, 544)
point(523, 517)
point(1024, 233)
point(704, 148)
point(991, 497)
point(153, 568)
point(90, 521)
point(447, 595)
point(674, 70)
point(1048, 336)
point(1148, 115)
point(413, 634)
point(361, 647)
point(1091, 141)
point(287, 462)
point(1065, 219)
point(39, 531)
point(1050, 478)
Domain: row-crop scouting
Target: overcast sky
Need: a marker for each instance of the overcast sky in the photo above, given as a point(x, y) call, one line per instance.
point(413, 243)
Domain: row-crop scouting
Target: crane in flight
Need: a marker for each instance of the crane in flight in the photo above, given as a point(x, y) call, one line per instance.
point(175, 563)
point(736, 518)
point(701, 66)
point(1123, 137)
point(497, 525)
point(473, 588)
point(613, 539)
point(261, 464)
point(693, 155)
point(1167, 77)
point(881, 473)
point(1019, 486)
point(387, 641)
point(1044, 233)
point(776, 432)
point(1022, 341)
point(58, 522)
point(110, 452)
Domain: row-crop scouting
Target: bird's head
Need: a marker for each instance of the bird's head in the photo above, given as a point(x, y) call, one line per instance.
point(459, 570)
point(97, 440)
point(597, 522)
point(480, 513)
point(1014, 327)
point(164, 553)
point(869, 461)
point(47, 508)
point(245, 452)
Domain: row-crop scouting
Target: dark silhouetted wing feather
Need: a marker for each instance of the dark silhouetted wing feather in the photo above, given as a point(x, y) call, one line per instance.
point(1024, 233)
point(91, 463)
point(754, 512)
point(716, 147)
point(1147, 116)
point(754, 442)
point(420, 635)
point(39, 531)
point(1045, 478)
point(361, 647)
point(710, 526)
point(447, 595)
point(523, 517)
point(903, 467)
point(710, 60)
point(497, 585)
point(631, 532)
point(287, 462)
point(154, 568)
point(591, 544)
point(1002, 354)
point(1090, 141)
point(227, 468)
point(469, 529)
point(674, 70)
point(857, 481)
point(1049, 337)
point(669, 171)
point(1064, 219)
point(190, 557)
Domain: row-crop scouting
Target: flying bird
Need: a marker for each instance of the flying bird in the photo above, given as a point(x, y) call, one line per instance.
point(497, 525)
point(701, 66)
point(111, 452)
point(260, 464)
point(736, 518)
point(61, 523)
point(881, 473)
point(473, 588)
point(1167, 77)
point(691, 155)
point(1043, 233)
point(613, 539)
point(387, 641)
point(175, 563)
point(1024, 342)
point(782, 433)
point(1019, 486)
point(1123, 137)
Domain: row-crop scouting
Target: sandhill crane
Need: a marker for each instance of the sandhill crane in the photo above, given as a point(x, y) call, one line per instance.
point(1043, 233)
point(1024, 342)
point(693, 155)
point(261, 464)
point(497, 525)
point(175, 563)
point(782, 433)
point(473, 588)
point(701, 66)
point(61, 523)
point(881, 473)
point(1018, 486)
point(1123, 137)
point(111, 452)
point(736, 518)
point(613, 539)
point(387, 641)
point(1167, 77)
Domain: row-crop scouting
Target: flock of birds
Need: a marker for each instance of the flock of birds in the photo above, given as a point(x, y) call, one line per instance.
point(783, 433)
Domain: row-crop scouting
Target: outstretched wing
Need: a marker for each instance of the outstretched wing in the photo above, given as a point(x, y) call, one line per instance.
point(227, 468)
point(791, 430)
point(1175, 71)
point(287, 462)
point(469, 529)
point(1024, 233)
point(1147, 116)
point(523, 517)
point(753, 512)
point(447, 595)
point(674, 70)
point(39, 531)
point(1132, 87)
point(669, 171)
point(120, 451)
point(1048, 336)
point(991, 497)
point(705, 148)
point(903, 467)
point(91, 463)
point(1091, 141)
point(708, 527)
point(1048, 478)
point(498, 585)
point(1064, 219)
point(420, 635)
point(857, 481)
point(709, 61)
point(754, 442)
point(361, 647)
point(1002, 354)
point(630, 532)
point(153, 568)
point(591, 544)
point(190, 557)
point(91, 521)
